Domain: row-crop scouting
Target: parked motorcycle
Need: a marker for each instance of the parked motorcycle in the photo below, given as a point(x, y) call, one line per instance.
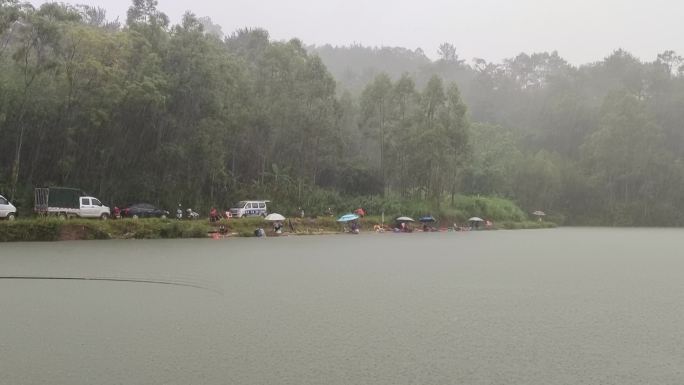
point(192, 215)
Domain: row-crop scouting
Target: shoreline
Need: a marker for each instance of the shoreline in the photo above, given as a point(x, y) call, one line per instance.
point(41, 230)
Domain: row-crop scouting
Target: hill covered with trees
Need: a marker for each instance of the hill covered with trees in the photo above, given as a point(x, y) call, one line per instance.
point(601, 143)
point(149, 111)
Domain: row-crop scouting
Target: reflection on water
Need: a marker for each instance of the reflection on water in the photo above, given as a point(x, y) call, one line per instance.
point(562, 306)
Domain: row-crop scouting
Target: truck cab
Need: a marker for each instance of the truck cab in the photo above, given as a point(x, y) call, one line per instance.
point(7, 210)
point(249, 209)
point(91, 207)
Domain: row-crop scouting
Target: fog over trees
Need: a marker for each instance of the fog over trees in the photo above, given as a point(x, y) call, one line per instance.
point(143, 110)
point(601, 143)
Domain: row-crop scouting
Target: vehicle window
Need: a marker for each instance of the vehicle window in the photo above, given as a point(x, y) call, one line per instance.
point(248, 206)
point(262, 205)
point(3, 201)
point(146, 206)
point(96, 202)
point(85, 201)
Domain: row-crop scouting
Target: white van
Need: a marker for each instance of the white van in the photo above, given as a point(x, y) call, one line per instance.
point(7, 210)
point(249, 209)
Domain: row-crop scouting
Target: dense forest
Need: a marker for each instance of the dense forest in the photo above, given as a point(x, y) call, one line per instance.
point(149, 111)
point(601, 143)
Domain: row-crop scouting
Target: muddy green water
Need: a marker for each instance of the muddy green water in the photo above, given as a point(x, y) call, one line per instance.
point(564, 306)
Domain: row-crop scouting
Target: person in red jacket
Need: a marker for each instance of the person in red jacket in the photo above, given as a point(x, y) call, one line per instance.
point(213, 215)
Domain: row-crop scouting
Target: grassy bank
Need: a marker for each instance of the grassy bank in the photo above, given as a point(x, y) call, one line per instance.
point(56, 230)
point(525, 225)
point(504, 213)
point(81, 229)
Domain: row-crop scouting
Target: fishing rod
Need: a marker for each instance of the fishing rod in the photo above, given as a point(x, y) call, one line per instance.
point(110, 279)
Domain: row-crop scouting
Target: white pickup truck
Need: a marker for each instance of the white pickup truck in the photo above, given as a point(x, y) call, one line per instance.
point(7, 210)
point(68, 203)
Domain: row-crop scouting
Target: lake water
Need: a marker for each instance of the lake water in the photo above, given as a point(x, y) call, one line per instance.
point(564, 306)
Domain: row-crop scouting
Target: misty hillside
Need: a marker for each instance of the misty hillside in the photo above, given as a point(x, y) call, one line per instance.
point(354, 67)
point(618, 122)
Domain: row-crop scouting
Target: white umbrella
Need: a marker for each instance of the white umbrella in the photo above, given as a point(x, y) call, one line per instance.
point(404, 219)
point(275, 217)
point(539, 214)
point(475, 219)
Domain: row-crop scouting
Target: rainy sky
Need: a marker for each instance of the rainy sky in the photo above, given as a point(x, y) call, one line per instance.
point(581, 31)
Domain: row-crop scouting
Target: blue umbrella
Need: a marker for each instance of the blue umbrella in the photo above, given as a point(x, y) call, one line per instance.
point(348, 217)
point(427, 219)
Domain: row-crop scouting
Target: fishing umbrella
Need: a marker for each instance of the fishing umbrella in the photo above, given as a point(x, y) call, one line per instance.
point(404, 219)
point(539, 214)
point(476, 219)
point(275, 217)
point(348, 218)
point(427, 219)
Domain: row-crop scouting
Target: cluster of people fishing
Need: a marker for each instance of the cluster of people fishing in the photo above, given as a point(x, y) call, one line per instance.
point(404, 224)
point(350, 223)
point(430, 224)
